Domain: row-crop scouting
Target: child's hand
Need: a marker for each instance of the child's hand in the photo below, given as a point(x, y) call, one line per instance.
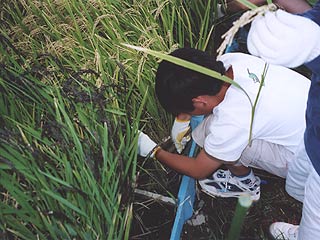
point(180, 133)
point(145, 145)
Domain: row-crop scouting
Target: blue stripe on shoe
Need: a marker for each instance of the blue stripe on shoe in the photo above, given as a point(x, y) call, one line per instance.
point(230, 187)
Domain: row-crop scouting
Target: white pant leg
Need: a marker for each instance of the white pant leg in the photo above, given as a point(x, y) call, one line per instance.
point(299, 170)
point(267, 156)
point(264, 155)
point(309, 228)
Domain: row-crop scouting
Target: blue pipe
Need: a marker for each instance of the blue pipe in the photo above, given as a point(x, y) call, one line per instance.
point(187, 192)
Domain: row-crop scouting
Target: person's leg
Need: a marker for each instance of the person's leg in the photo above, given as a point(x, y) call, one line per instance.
point(261, 154)
point(224, 183)
point(309, 228)
point(238, 170)
point(239, 178)
point(277, 160)
point(298, 173)
point(302, 183)
point(236, 181)
point(267, 156)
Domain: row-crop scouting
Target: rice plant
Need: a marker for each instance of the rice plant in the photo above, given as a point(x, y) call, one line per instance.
point(72, 98)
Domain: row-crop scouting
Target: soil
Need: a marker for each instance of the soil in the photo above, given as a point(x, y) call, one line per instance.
point(154, 219)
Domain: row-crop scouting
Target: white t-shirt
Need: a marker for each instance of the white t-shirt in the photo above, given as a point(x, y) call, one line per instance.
point(280, 112)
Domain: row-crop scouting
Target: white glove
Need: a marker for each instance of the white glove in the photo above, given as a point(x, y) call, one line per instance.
point(284, 39)
point(178, 132)
point(145, 145)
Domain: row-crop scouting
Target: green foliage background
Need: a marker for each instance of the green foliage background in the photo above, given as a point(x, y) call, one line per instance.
point(71, 101)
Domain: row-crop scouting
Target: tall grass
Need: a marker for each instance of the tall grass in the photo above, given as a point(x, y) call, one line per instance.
point(72, 98)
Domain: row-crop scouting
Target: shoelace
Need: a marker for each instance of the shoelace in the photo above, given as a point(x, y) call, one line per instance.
point(291, 233)
point(226, 182)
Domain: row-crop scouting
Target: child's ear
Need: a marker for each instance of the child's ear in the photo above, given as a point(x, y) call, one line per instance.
point(199, 100)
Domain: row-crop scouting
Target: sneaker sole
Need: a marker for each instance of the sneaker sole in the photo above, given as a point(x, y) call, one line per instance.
point(226, 195)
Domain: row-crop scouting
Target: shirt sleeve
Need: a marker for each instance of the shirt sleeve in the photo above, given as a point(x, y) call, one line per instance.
point(312, 133)
point(314, 15)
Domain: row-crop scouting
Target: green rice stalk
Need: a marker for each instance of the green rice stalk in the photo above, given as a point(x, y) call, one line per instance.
point(68, 142)
point(262, 79)
point(248, 4)
point(244, 203)
point(191, 66)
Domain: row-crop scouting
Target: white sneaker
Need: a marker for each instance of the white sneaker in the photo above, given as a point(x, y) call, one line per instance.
point(284, 231)
point(223, 184)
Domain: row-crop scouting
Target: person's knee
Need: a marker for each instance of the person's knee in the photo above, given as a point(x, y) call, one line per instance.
point(270, 157)
point(294, 189)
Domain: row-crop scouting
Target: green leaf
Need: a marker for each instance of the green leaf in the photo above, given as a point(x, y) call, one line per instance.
point(55, 179)
point(248, 4)
point(65, 202)
point(116, 111)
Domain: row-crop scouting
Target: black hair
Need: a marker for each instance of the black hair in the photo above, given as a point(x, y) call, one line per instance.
point(176, 86)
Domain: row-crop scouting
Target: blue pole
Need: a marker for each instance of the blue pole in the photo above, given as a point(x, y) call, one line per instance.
point(186, 195)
